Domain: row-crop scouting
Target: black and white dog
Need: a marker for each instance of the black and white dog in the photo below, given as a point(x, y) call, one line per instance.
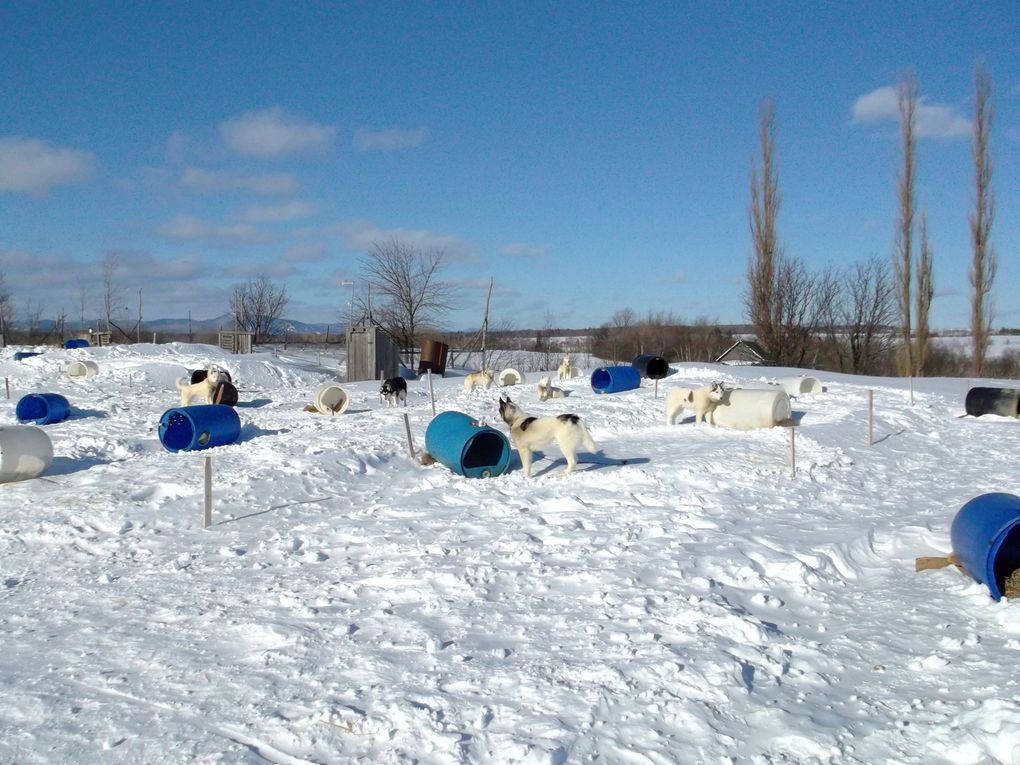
point(530, 433)
point(394, 391)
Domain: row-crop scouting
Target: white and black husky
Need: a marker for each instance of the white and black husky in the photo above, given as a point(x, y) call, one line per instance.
point(393, 390)
point(530, 433)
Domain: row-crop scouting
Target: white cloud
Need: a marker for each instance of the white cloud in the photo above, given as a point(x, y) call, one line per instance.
point(32, 166)
point(519, 249)
point(280, 213)
point(361, 235)
point(933, 120)
point(390, 139)
point(680, 277)
point(208, 181)
point(274, 132)
point(187, 228)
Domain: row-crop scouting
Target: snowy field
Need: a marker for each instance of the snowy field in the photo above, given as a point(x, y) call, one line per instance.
point(695, 605)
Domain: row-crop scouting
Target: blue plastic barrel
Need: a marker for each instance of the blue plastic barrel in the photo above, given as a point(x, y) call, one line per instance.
point(986, 538)
point(192, 428)
point(468, 449)
point(652, 367)
point(26, 354)
point(42, 408)
point(615, 379)
point(76, 343)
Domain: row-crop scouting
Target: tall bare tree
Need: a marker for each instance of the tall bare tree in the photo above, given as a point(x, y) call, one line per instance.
point(111, 292)
point(406, 290)
point(907, 94)
point(865, 317)
point(5, 311)
point(924, 292)
point(802, 302)
point(759, 300)
point(257, 304)
point(983, 264)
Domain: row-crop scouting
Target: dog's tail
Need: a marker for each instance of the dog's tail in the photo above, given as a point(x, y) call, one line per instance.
point(586, 440)
point(182, 383)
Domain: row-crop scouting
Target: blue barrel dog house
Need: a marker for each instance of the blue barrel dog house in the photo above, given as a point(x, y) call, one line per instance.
point(615, 379)
point(466, 447)
point(42, 408)
point(75, 342)
point(652, 367)
point(192, 428)
point(19, 355)
point(1001, 401)
point(986, 539)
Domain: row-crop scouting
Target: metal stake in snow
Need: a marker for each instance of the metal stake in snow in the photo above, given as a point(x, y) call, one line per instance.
point(432, 393)
point(410, 443)
point(207, 518)
point(7, 385)
point(871, 416)
point(793, 452)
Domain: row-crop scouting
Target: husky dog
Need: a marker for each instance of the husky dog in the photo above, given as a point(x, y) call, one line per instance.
point(530, 433)
point(204, 388)
point(564, 371)
point(393, 391)
point(547, 390)
point(701, 400)
point(482, 379)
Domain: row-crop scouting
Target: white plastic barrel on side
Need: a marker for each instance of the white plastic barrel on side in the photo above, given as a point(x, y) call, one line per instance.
point(510, 376)
point(80, 369)
point(794, 386)
point(25, 452)
point(331, 399)
point(746, 408)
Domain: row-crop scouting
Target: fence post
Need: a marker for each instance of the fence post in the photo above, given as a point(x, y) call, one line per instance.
point(207, 518)
point(793, 452)
point(871, 416)
point(432, 393)
point(410, 443)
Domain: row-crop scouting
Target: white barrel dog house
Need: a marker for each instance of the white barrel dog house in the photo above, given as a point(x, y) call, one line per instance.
point(81, 369)
point(331, 399)
point(25, 452)
point(511, 376)
point(794, 386)
point(749, 408)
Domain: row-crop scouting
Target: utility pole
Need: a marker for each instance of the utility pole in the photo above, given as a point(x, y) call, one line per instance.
point(138, 329)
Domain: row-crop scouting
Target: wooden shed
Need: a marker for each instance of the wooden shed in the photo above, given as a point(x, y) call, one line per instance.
point(745, 353)
point(371, 353)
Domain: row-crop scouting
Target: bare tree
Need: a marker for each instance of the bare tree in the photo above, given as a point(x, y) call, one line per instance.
point(257, 304)
point(983, 265)
point(864, 317)
point(905, 225)
point(5, 311)
point(802, 302)
point(111, 293)
point(924, 292)
point(762, 269)
point(405, 285)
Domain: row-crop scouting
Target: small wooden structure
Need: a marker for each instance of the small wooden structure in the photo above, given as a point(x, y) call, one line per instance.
point(235, 342)
point(98, 338)
point(371, 353)
point(745, 353)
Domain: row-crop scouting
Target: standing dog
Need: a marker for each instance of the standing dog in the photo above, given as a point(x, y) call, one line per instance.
point(482, 379)
point(564, 371)
point(204, 388)
point(547, 390)
point(701, 400)
point(530, 433)
point(394, 391)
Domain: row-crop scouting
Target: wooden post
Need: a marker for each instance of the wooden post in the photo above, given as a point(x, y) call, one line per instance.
point(793, 452)
point(871, 417)
point(911, 379)
point(207, 518)
point(432, 393)
point(410, 443)
point(656, 388)
point(7, 385)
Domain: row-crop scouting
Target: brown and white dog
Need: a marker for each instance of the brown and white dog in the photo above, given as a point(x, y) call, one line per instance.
point(564, 371)
point(701, 401)
point(530, 433)
point(482, 379)
point(205, 388)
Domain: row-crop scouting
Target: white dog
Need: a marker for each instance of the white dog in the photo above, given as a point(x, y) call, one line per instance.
point(701, 400)
point(530, 433)
point(204, 388)
point(482, 379)
point(547, 390)
point(564, 371)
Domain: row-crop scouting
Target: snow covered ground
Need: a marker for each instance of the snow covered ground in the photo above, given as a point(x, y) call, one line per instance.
point(696, 604)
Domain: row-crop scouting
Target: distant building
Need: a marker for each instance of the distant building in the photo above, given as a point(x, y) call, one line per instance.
point(745, 353)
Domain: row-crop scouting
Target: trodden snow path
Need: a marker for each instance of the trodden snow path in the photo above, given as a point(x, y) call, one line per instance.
point(680, 598)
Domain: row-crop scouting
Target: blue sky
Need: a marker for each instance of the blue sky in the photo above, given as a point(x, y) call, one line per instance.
point(588, 156)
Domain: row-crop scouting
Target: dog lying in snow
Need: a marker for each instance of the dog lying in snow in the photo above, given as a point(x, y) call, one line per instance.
point(547, 390)
point(204, 388)
point(701, 401)
point(482, 379)
point(530, 433)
